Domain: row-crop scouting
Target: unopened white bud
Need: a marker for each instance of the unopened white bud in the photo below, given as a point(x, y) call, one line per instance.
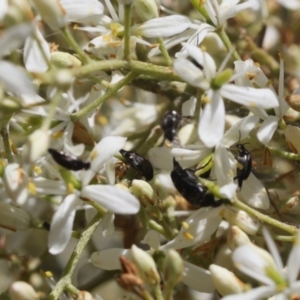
point(15, 181)
point(291, 206)
point(236, 237)
point(51, 12)
point(64, 60)
point(21, 290)
point(146, 9)
point(145, 264)
point(144, 192)
point(84, 295)
point(37, 145)
point(173, 268)
point(225, 281)
point(241, 219)
point(13, 218)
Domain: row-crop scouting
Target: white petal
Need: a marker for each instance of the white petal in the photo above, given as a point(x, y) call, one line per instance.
point(112, 198)
point(110, 170)
point(78, 9)
point(162, 157)
point(33, 57)
point(152, 239)
point(240, 130)
point(14, 37)
point(203, 59)
point(254, 193)
point(104, 150)
point(259, 293)
point(228, 191)
point(107, 224)
point(199, 226)
point(109, 259)
point(197, 278)
point(62, 224)
point(272, 248)
point(248, 96)
point(293, 263)
point(222, 167)
point(213, 117)
point(188, 107)
point(163, 27)
point(267, 129)
point(248, 261)
point(15, 80)
point(190, 73)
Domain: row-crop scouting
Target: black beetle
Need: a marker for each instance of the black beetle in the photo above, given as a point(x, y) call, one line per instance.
point(189, 186)
point(139, 163)
point(244, 164)
point(170, 124)
point(69, 162)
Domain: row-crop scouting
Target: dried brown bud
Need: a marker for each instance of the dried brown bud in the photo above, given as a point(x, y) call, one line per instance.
point(293, 101)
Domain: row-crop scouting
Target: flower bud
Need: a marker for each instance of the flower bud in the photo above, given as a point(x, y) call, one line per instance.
point(15, 182)
point(146, 9)
point(293, 101)
point(292, 136)
point(225, 281)
point(37, 145)
point(173, 268)
point(291, 206)
point(236, 237)
point(241, 219)
point(144, 192)
point(84, 295)
point(51, 12)
point(13, 218)
point(8, 105)
point(146, 265)
point(64, 60)
point(21, 290)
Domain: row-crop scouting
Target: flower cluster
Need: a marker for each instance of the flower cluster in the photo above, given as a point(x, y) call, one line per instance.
point(156, 138)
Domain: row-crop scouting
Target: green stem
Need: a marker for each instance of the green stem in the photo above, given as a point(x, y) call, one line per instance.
point(70, 267)
point(157, 72)
point(103, 65)
point(70, 39)
point(284, 238)
point(284, 154)
point(127, 79)
point(227, 43)
point(164, 51)
point(6, 143)
point(127, 24)
point(168, 292)
point(264, 218)
point(72, 290)
point(157, 292)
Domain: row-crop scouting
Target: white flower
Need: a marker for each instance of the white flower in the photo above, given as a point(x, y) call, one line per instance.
point(220, 13)
point(250, 75)
point(257, 263)
point(213, 115)
point(111, 198)
point(225, 165)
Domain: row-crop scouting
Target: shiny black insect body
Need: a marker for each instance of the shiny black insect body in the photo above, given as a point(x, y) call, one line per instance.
point(139, 163)
point(170, 124)
point(244, 164)
point(69, 162)
point(189, 186)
